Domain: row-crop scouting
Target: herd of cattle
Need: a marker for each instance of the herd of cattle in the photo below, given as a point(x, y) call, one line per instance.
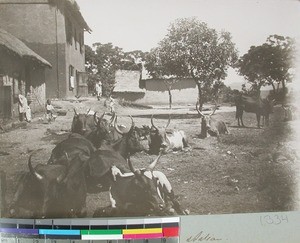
point(97, 152)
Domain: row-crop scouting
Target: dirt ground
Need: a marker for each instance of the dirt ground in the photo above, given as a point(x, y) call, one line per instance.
point(248, 170)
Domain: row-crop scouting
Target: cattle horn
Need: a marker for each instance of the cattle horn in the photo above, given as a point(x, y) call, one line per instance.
point(67, 156)
point(198, 110)
point(95, 118)
point(75, 112)
point(214, 110)
point(88, 111)
point(131, 166)
point(169, 120)
point(132, 124)
point(153, 164)
point(284, 107)
point(32, 171)
point(101, 117)
point(117, 128)
point(152, 123)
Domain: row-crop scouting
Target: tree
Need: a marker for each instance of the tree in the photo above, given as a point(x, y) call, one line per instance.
point(156, 70)
point(105, 59)
point(134, 60)
point(169, 84)
point(192, 49)
point(269, 64)
point(91, 68)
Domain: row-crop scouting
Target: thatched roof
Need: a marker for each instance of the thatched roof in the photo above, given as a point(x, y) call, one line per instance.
point(13, 44)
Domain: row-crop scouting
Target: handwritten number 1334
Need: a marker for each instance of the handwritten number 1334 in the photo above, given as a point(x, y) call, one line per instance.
point(273, 219)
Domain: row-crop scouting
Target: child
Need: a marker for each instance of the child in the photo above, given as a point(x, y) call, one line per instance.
point(110, 104)
point(49, 110)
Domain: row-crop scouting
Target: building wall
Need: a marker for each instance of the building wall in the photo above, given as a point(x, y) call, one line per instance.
point(13, 73)
point(42, 28)
point(183, 92)
point(76, 58)
point(187, 96)
point(127, 81)
point(37, 77)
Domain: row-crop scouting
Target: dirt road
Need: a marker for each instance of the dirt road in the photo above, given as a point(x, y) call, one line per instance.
point(249, 170)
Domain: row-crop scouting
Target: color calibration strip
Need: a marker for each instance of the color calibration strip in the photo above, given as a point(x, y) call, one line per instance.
point(112, 230)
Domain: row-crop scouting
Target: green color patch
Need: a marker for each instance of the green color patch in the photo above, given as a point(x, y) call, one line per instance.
point(101, 232)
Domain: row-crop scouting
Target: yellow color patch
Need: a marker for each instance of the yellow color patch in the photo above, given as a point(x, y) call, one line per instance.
point(142, 231)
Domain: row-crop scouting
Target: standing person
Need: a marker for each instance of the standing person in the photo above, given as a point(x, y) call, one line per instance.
point(29, 100)
point(22, 105)
point(99, 89)
point(111, 104)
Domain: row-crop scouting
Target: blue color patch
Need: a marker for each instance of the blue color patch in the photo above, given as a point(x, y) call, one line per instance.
point(58, 232)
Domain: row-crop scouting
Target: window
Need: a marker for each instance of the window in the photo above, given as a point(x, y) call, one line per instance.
point(81, 41)
point(71, 78)
point(75, 38)
point(69, 31)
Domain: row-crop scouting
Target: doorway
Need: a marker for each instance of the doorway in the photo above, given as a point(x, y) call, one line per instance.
point(6, 101)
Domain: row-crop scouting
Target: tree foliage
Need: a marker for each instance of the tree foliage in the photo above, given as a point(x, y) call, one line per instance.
point(103, 60)
point(192, 49)
point(269, 64)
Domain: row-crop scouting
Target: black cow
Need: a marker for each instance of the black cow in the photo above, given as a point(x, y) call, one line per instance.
point(210, 125)
point(140, 192)
point(83, 123)
point(95, 129)
point(101, 134)
point(115, 153)
point(100, 160)
point(143, 132)
point(74, 145)
point(98, 167)
point(135, 193)
point(259, 106)
point(46, 191)
point(129, 143)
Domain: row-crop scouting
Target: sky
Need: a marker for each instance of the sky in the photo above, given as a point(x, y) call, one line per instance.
point(141, 24)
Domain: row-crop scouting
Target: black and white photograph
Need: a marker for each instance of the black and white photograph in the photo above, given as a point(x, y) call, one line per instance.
point(135, 108)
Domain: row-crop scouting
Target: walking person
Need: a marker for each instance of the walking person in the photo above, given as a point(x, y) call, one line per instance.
point(99, 89)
